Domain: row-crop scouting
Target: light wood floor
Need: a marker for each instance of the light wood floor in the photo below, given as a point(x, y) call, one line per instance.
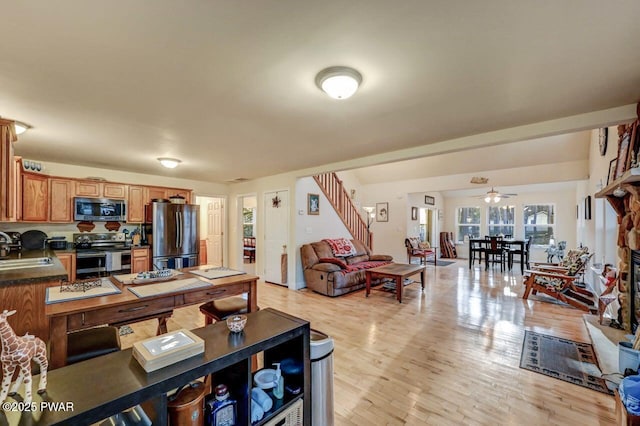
point(448, 356)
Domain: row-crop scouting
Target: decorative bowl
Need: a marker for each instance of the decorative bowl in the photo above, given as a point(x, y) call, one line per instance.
point(236, 323)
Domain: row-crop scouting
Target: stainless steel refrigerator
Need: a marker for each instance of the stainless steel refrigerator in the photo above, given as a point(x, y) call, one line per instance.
point(174, 234)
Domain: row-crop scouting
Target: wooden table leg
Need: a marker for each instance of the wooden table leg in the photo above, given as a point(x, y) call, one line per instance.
point(399, 285)
point(422, 277)
point(57, 342)
point(368, 283)
point(252, 299)
point(162, 325)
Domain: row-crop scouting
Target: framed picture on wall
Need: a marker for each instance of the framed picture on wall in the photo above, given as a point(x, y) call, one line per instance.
point(313, 204)
point(587, 207)
point(612, 171)
point(382, 212)
point(429, 200)
point(414, 213)
point(623, 152)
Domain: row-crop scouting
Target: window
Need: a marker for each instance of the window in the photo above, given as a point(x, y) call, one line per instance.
point(501, 220)
point(468, 223)
point(539, 221)
point(248, 222)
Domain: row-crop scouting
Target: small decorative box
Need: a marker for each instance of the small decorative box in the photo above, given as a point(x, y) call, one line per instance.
point(160, 351)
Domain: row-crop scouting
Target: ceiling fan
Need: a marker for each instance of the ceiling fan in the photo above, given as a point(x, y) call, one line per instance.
point(495, 196)
point(492, 195)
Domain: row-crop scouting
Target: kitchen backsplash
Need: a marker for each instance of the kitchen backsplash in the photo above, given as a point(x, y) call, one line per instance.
point(59, 230)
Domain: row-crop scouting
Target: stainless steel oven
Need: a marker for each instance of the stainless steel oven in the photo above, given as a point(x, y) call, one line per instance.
point(99, 255)
point(101, 262)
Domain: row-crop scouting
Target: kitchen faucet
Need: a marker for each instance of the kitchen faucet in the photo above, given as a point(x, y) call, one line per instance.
point(6, 237)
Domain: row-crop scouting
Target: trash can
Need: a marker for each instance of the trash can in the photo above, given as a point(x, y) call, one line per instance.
point(321, 379)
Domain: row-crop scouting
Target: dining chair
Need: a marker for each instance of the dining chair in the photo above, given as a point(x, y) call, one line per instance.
point(477, 250)
point(494, 252)
point(524, 255)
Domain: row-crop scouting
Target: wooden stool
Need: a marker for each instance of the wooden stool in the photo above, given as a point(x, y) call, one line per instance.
point(218, 310)
point(92, 342)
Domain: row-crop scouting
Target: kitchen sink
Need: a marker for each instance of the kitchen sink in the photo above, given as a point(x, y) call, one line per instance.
point(33, 262)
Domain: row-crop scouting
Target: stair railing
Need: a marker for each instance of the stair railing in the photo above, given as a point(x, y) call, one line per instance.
point(337, 195)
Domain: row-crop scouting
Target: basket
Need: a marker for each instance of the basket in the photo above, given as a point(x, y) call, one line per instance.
point(627, 357)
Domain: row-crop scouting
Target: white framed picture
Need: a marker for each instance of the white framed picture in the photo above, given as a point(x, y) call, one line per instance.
point(382, 212)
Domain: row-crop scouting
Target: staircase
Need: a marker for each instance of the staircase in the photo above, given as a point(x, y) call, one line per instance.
point(333, 189)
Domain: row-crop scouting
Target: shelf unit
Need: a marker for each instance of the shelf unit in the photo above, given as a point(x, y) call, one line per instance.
point(629, 179)
point(104, 386)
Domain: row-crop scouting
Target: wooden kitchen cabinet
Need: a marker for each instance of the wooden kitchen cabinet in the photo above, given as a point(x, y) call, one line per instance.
point(61, 200)
point(95, 189)
point(68, 260)
point(140, 261)
point(203, 252)
point(135, 204)
point(8, 206)
point(35, 198)
point(88, 188)
point(153, 192)
point(181, 192)
point(114, 190)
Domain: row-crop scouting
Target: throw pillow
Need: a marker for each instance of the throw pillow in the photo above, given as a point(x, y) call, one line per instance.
point(424, 245)
point(414, 241)
point(341, 247)
point(335, 261)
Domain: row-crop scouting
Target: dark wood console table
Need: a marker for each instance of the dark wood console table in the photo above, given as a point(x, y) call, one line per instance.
point(126, 307)
point(103, 386)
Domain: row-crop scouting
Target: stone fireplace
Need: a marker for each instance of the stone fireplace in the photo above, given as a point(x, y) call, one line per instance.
point(624, 196)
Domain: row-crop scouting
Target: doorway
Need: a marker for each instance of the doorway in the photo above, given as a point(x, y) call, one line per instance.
point(211, 230)
point(248, 218)
point(428, 222)
point(276, 236)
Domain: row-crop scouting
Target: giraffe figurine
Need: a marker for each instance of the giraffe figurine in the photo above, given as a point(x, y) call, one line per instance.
point(18, 351)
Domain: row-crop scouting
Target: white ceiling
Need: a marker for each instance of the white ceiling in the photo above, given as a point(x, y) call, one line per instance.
point(228, 87)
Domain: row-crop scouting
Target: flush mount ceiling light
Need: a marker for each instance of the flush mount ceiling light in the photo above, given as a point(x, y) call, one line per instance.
point(21, 127)
point(339, 82)
point(169, 163)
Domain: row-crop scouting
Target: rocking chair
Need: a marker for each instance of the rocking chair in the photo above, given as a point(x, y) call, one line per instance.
point(560, 281)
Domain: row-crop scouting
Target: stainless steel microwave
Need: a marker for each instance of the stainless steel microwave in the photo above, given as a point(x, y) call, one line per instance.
point(100, 210)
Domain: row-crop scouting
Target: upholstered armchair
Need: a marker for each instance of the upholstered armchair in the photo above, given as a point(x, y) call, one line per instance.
point(416, 248)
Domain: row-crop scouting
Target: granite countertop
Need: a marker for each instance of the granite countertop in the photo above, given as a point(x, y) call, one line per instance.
point(52, 272)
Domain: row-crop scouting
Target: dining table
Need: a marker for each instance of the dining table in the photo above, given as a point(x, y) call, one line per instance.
point(507, 244)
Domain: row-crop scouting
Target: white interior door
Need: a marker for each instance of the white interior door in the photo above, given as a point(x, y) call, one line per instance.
point(276, 236)
point(215, 233)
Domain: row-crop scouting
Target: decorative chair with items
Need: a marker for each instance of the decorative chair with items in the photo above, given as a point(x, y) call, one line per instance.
point(609, 279)
point(419, 249)
point(560, 281)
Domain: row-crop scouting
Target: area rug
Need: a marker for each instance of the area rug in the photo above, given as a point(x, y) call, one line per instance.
point(563, 359)
point(441, 262)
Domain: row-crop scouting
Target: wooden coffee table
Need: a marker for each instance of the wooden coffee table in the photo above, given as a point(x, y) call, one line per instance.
point(397, 271)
